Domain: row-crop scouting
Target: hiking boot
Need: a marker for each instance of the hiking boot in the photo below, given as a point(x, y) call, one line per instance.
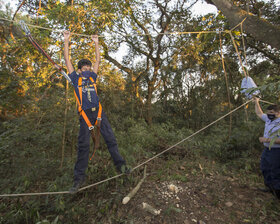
point(124, 169)
point(77, 185)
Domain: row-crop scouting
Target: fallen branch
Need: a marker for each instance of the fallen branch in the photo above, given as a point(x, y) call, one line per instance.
point(150, 209)
point(134, 190)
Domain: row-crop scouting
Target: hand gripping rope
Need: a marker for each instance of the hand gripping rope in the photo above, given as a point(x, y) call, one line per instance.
point(95, 136)
point(27, 32)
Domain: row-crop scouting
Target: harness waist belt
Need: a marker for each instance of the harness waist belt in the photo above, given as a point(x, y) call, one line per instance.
point(80, 103)
point(92, 109)
point(95, 137)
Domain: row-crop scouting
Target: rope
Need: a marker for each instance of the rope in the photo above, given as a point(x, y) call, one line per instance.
point(131, 35)
point(236, 49)
point(238, 24)
point(192, 135)
point(244, 47)
point(136, 167)
point(34, 194)
point(227, 85)
point(235, 46)
point(266, 102)
point(152, 158)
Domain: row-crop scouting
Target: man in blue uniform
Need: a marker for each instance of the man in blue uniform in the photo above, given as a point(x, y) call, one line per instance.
point(89, 109)
point(270, 159)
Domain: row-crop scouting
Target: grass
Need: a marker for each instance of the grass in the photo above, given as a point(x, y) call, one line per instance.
point(195, 161)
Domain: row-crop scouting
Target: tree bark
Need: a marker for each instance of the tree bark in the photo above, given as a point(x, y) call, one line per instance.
point(14, 16)
point(148, 105)
point(257, 27)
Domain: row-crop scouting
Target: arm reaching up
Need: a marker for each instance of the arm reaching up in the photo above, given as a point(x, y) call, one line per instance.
point(97, 53)
point(69, 66)
point(258, 109)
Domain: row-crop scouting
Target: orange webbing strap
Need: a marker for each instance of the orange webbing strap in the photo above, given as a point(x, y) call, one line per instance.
point(95, 136)
point(81, 111)
point(98, 120)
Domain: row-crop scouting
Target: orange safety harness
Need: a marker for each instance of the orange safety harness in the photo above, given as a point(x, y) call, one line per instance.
point(95, 136)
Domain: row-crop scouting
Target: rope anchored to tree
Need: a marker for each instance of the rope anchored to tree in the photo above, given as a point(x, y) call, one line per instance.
point(136, 167)
point(165, 33)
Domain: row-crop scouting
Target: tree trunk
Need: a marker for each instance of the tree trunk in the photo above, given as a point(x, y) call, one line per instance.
point(257, 27)
point(148, 105)
point(11, 26)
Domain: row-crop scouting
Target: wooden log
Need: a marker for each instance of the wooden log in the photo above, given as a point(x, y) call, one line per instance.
point(150, 209)
point(134, 190)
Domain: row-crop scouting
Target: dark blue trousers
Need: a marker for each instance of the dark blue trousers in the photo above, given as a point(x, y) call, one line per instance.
point(270, 167)
point(84, 144)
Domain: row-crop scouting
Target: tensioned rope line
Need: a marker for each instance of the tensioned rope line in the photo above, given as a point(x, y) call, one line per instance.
point(166, 33)
point(227, 84)
point(202, 129)
point(239, 24)
point(244, 47)
point(245, 71)
point(264, 101)
point(114, 177)
point(136, 167)
point(237, 52)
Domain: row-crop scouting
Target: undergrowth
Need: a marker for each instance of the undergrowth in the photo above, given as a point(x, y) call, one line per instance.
point(31, 162)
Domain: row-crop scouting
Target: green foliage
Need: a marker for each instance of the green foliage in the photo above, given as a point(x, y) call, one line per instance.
point(181, 76)
point(243, 138)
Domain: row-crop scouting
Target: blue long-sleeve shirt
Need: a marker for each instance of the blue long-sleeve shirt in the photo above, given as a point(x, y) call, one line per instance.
point(89, 95)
